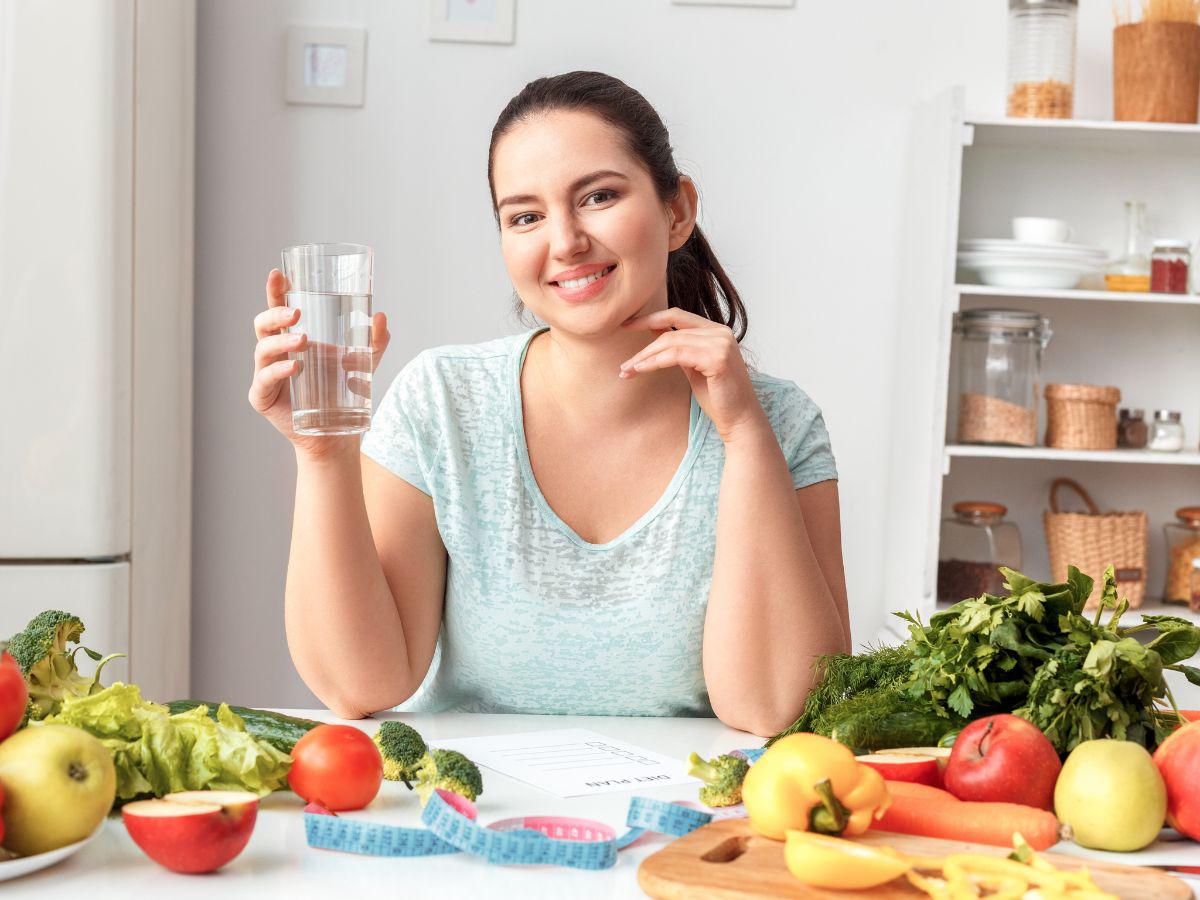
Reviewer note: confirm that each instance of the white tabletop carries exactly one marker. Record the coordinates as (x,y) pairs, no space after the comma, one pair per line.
(278,863)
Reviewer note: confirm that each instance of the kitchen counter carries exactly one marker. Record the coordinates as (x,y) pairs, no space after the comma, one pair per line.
(278,863)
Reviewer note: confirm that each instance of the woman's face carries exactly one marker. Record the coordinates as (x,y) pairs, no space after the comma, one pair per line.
(558,224)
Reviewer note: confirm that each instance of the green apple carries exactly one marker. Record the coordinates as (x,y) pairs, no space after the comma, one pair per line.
(59,784)
(1111,795)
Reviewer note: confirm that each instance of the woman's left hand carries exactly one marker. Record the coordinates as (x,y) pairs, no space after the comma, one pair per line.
(710,357)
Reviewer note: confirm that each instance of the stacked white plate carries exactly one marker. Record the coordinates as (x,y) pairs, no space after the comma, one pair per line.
(1004,262)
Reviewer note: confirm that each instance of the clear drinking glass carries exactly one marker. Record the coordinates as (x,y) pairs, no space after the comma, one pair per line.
(331,286)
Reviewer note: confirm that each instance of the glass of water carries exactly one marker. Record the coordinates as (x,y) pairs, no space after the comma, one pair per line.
(331,286)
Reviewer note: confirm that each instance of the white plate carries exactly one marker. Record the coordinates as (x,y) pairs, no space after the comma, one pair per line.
(1024,248)
(1026,273)
(15,868)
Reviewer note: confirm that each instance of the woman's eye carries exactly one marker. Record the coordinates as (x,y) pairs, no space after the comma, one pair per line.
(516,220)
(519,221)
(605,194)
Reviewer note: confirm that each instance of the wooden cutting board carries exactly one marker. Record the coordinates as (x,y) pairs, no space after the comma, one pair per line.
(728,860)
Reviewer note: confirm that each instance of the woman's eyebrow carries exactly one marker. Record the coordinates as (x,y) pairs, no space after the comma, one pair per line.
(577,185)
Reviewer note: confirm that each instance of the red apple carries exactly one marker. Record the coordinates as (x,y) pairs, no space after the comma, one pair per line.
(1178,760)
(192,831)
(941,754)
(901,767)
(1003,759)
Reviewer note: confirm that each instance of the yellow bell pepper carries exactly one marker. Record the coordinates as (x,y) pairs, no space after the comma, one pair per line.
(831,862)
(809,783)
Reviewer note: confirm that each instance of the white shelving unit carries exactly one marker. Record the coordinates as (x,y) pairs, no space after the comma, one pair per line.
(968,176)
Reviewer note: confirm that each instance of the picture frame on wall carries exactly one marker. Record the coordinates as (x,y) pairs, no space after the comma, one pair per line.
(734,2)
(478,21)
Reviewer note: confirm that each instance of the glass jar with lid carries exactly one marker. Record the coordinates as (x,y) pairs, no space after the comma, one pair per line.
(1132,430)
(1132,271)
(1169,264)
(1041,58)
(1183,557)
(999,374)
(1166,434)
(975,542)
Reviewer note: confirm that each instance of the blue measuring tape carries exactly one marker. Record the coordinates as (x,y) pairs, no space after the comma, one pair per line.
(554,840)
(576,844)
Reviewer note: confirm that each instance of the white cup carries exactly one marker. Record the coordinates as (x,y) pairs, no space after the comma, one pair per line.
(1034,230)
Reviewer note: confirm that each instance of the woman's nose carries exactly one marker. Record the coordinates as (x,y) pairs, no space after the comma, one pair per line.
(567,237)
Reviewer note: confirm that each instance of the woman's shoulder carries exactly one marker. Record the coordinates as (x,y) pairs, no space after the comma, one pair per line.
(782,396)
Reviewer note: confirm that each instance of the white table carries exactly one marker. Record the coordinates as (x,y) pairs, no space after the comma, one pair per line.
(278,863)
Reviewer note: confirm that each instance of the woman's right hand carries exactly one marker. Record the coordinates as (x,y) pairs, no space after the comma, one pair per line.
(270,394)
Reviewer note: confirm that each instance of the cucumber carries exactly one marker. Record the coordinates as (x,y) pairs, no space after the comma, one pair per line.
(276,729)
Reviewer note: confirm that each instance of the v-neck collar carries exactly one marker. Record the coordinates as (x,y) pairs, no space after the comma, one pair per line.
(697,430)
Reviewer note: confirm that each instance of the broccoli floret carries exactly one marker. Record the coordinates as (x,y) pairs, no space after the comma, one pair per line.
(402,749)
(450,771)
(48,666)
(722,777)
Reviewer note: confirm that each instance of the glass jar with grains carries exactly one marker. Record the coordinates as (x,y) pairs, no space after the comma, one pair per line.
(999,374)
(1132,431)
(1166,434)
(1041,58)
(1183,558)
(975,542)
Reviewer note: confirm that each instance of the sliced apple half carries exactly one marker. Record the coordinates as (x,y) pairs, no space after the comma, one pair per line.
(902,767)
(192,831)
(941,754)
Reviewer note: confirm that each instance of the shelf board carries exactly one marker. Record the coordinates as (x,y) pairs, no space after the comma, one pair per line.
(1085,134)
(983,290)
(1146,457)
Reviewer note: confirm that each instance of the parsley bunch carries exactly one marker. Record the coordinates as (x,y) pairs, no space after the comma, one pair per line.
(1031,652)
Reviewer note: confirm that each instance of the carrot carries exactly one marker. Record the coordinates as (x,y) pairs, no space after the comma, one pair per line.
(920,791)
(928,815)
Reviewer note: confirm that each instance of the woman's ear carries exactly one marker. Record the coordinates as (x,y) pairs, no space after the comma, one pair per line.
(683,213)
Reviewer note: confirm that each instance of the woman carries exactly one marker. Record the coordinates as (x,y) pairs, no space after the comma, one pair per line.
(609,514)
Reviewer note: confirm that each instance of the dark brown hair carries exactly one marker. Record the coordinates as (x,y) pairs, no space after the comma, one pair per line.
(695,280)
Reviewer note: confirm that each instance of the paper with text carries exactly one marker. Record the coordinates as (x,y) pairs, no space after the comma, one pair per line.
(572,762)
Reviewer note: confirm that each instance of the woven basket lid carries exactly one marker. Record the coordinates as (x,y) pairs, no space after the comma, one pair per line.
(1089,393)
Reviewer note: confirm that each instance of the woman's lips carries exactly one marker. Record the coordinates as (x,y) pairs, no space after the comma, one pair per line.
(587,292)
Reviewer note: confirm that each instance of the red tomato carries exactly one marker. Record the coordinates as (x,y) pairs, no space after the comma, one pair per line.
(337,766)
(14,695)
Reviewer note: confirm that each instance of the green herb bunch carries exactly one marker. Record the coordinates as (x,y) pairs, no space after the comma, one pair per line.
(1031,652)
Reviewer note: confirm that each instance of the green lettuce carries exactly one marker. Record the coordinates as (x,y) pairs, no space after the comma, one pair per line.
(157,753)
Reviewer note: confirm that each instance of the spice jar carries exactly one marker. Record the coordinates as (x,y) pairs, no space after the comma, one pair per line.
(975,542)
(1166,434)
(1169,265)
(1000,363)
(1132,431)
(1183,558)
(1041,58)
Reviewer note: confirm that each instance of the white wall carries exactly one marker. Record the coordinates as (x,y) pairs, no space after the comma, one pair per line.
(794,122)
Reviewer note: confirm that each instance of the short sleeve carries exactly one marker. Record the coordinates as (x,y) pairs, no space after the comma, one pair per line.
(400,437)
(800,428)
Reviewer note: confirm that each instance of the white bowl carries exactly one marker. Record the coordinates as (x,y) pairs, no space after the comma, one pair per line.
(24,865)
(1027,271)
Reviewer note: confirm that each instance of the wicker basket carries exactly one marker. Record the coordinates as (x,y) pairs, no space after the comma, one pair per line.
(1081,416)
(1093,541)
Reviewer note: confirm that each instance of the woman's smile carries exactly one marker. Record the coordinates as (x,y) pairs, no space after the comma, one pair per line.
(585,288)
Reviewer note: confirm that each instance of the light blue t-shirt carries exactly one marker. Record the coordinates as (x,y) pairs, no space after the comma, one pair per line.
(536,619)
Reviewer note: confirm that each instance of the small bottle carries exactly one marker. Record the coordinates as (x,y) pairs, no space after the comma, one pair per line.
(1166,435)
(1132,271)
(1132,431)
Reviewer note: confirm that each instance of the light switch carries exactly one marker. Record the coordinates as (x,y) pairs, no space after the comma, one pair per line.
(325,65)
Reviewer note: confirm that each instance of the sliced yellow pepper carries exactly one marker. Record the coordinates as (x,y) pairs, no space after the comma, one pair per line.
(832,862)
(808,782)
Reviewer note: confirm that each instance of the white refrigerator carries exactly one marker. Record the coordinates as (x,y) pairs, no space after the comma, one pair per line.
(90,117)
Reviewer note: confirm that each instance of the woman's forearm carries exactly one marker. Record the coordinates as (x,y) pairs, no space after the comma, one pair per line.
(770,610)
(343,628)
